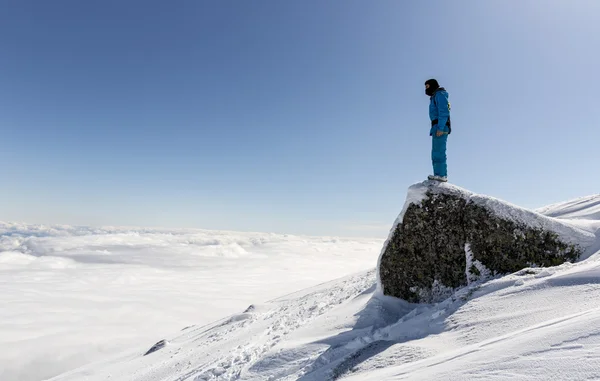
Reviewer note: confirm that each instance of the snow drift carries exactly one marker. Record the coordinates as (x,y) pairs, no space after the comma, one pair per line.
(447,237)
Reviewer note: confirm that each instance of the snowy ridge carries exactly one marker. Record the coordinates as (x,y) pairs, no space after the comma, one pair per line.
(242,344)
(536,324)
(341,330)
(587,208)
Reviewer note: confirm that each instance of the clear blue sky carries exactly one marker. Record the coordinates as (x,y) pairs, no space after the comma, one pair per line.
(289,116)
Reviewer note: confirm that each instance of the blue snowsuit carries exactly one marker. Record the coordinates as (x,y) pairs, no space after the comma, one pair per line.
(439,113)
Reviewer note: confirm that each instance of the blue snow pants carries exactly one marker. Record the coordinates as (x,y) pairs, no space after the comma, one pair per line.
(438,155)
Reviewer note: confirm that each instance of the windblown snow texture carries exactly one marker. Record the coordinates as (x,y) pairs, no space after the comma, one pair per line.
(426,257)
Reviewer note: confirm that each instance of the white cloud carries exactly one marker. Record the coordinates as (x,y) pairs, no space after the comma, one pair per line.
(77,294)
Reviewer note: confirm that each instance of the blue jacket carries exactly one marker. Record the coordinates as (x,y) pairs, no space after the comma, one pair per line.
(439,108)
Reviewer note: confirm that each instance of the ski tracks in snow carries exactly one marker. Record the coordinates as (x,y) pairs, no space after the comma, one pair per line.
(261,328)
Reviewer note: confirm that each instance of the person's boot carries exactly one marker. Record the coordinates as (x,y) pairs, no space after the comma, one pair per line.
(442,179)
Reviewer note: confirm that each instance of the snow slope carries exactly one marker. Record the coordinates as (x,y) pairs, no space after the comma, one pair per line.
(585,208)
(537,324)
(74,295)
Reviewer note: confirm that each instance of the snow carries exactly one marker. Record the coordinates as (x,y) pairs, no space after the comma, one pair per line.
(484,272)
(584,213)
(520,327)
(587,208)
(569,232)
(78,295)
(545,329)
(536,324)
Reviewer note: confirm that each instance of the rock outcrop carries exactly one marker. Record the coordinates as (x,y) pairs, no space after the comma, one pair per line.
(447,237)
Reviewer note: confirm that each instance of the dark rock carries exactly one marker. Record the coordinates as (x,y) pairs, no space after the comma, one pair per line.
(451,237)
(160,345)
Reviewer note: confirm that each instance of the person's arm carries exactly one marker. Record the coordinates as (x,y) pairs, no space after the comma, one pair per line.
(441,101)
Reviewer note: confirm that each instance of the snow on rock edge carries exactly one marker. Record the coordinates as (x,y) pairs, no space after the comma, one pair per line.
(442,227)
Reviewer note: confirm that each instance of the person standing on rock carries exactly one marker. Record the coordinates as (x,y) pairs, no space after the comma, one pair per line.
(439,113)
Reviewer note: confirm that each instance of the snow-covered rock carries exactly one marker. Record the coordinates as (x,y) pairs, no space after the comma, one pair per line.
(447,237)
